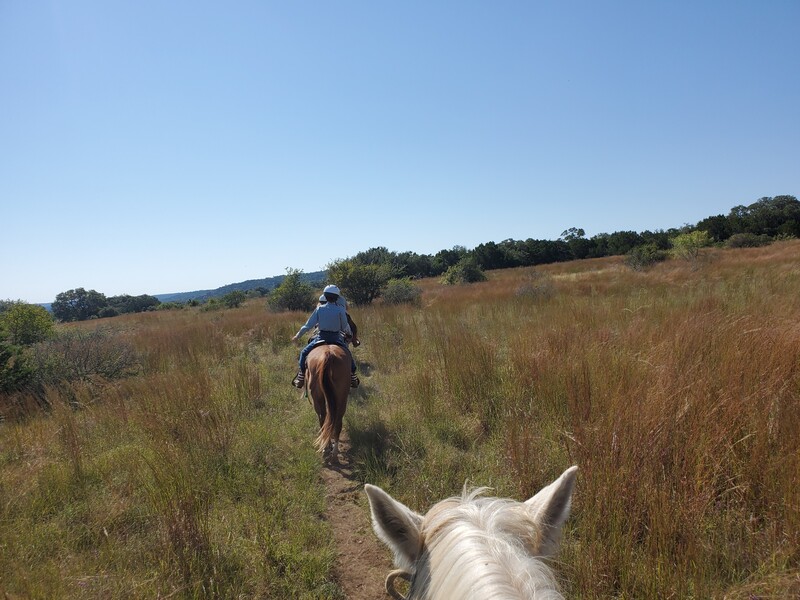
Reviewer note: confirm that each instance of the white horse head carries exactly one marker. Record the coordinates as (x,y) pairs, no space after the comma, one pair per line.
(475,547)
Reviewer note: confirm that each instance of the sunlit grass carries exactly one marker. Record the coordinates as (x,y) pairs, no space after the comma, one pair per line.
(676,390)
(191,479)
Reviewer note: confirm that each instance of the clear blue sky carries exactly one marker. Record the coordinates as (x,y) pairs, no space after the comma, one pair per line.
(151,147)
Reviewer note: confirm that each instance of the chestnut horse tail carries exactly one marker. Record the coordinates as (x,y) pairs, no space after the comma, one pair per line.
(328,377)
(326,430)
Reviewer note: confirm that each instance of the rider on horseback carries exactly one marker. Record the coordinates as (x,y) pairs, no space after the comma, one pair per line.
(331,319)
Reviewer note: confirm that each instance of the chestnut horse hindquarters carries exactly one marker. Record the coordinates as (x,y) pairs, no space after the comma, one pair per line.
(328,377)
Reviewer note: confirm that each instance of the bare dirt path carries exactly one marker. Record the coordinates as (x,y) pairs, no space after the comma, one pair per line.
(362,561)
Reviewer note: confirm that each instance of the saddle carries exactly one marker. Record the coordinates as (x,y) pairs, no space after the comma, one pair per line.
(321,342)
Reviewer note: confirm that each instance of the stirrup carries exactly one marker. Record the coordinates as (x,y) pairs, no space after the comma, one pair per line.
(354,381)
(299,380)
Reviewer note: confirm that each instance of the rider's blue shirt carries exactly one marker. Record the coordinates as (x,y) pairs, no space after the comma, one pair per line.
(328,317)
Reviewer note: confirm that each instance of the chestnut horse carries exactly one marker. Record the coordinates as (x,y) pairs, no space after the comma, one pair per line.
(328,381)
(472,547)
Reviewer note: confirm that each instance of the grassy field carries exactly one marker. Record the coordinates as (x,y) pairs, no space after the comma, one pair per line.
(675,390)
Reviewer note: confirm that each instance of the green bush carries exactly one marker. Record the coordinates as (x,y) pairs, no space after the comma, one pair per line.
(747,240)
(211,304)
(24,324)
(687,245)
(401,291)
(292,294)
(644,256)
(465,270)
(234,299)
(108,311)
(174,305)
(15,368)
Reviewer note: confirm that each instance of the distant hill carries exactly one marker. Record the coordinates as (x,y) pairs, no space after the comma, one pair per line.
(268,283)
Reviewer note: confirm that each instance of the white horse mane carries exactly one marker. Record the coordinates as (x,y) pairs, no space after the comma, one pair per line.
(475,547)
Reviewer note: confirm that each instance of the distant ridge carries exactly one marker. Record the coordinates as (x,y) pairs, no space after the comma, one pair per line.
(267,283)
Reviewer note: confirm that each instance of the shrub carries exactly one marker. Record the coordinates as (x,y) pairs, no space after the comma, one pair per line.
(24,324)
(687,245)
(108,311)
(537,286)
(234,299)
(211,304)
(401,291)
(82,356)
(747,240)
(644,256)
(174,305)
(15,368)
(292,294)
(465,270)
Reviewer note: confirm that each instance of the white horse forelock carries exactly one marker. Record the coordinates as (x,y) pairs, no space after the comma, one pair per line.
(473,547)
(481,548)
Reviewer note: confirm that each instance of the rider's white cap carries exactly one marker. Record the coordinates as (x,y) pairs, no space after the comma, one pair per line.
(331,289)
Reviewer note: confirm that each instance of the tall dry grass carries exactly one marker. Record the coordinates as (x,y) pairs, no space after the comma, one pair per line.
(676,391)
(190,479)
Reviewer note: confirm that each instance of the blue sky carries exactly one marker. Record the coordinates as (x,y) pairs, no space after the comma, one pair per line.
(155,147)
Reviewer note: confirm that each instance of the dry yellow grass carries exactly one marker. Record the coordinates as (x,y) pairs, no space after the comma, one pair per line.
(676,390)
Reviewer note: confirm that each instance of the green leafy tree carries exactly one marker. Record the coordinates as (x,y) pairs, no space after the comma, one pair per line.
(687,245)
(234,299)
(292,293)
(465,271)
(575,238)
(492,256)
(542,252)
(719,227)
(415,265)
(360,283)
(376,256)
(767,216)
(444,259)
(25,324)
(622,242)
(132,304)
(78,305)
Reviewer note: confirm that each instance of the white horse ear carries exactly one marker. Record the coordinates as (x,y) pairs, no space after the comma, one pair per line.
(396,525)
(550,508)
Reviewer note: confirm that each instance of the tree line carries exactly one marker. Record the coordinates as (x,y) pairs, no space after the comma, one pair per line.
(365,276)
(771,217)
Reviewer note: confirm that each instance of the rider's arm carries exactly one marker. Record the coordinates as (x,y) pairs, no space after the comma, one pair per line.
(312,321)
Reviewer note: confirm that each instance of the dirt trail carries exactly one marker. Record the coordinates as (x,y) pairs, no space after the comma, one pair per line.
(362,561)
